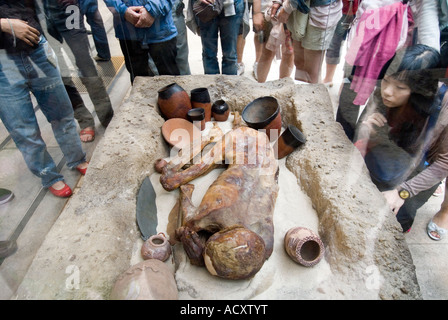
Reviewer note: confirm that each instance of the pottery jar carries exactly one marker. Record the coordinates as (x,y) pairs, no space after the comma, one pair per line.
(289,140)
(173,101)
(156,247)
(197,116)
(200,98)
(304,246)
(220,110)
(264,114)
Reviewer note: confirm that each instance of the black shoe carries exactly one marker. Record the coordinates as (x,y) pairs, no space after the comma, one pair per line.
(101,59)
(5,195)
(7,248)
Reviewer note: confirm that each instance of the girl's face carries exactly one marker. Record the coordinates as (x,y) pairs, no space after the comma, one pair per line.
(395,93)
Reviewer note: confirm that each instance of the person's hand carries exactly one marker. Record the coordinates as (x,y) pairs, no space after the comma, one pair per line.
(146,19)
(22,31)
(393,200)
(132,15)
(257,21)
(375,119)
(274,8)
(282,16)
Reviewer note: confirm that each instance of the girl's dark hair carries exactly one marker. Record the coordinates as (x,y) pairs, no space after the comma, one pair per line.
(418,68)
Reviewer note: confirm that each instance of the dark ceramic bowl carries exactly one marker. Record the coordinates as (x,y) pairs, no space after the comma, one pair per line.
(173,101)
(220,110)
(264,113)
(197,116)
(289,140)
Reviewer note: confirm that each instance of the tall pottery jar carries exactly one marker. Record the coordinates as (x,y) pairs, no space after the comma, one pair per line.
(304,246)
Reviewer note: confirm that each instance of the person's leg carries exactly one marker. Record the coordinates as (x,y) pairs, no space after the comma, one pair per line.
(136,59)
(209,39)
(441,217)
(78,43)
(313,64)
(94,19)
(164,57)
(182,40)
(299,62)
(228,29)
(18,116)
(264,64)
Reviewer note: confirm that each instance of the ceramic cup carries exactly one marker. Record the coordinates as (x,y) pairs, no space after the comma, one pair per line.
(197,116)
(289,140)
(200,98)
(173,101)
(220,110)
(264,113)
(304,246)
(156,247)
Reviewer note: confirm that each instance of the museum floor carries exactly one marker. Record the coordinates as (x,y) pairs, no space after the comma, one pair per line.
(31,214)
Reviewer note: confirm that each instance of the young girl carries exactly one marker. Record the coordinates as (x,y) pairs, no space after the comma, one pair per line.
(403,133)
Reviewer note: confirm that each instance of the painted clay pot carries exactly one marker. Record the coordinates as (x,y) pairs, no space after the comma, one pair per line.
(200,98)
(220,110)
(156,247)
(304,246)
(289,140)
(197,116)
(173,101)
(264,114)
(148,280)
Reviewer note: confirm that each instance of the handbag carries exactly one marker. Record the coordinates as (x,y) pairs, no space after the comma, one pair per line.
(297,23)
(207,12)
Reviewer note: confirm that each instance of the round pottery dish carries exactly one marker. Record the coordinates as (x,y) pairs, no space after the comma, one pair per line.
(264,113)
(220,110)
(179,132)
(290,139)
(173,101)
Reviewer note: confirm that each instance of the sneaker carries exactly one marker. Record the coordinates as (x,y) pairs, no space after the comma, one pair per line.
(7,248)
(240,68)
(5,195)
(440,189)
(255,71)
(101,59)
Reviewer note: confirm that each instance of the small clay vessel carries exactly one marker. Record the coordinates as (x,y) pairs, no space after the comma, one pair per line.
(264,114)
(173,101)
(289,140)
(200,98)
(197,116)
(156,247)
(220,110)
(147,280)
(304,246)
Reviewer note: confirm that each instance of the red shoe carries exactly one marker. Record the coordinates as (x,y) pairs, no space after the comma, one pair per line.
(63,193)
(82,171)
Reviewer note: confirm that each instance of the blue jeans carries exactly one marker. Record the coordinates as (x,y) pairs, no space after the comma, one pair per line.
(228,28)
(333,55)
(95,21)
(35,71)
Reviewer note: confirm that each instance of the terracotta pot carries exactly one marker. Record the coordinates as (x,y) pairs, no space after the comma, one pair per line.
(304,246)
(148,280)
(197,116)
(220,110)
(179,132)
(264,113)
(200,98)
(173,101)
(156,247)
(290,139)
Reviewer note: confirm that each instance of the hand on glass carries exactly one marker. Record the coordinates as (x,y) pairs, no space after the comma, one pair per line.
(22,30)
(393,200)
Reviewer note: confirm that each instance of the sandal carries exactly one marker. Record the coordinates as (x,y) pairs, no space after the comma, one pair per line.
(87,132)
(432,227)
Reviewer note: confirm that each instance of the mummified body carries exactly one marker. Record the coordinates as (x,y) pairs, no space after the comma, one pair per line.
(231,231)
